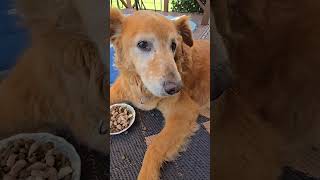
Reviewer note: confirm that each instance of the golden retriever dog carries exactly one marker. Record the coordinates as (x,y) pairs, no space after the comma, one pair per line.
(57,82)
(161,67)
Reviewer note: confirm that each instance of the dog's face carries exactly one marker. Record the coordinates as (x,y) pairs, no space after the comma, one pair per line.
(147,42)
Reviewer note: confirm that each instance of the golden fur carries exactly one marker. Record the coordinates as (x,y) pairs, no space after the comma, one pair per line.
(191,59)
(270,119)
(57,82)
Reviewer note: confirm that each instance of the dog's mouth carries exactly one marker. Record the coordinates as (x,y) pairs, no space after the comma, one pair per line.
(168,85)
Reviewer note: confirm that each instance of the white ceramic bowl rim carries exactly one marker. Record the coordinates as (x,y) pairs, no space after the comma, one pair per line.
(131,109)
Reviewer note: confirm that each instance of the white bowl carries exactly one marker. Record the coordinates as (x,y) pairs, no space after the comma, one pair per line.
(59,143)
(131,109)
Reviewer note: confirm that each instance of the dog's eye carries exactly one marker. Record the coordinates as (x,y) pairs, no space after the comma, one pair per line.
(144,45)
(173,46)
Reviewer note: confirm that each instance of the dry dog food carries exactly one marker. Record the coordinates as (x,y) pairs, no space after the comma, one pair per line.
(26,159)
(120,118)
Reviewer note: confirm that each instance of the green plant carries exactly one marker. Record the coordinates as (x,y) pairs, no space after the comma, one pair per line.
(186,6)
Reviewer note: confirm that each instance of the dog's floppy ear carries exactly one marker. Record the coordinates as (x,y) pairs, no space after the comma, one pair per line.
(116,19)
(184,29)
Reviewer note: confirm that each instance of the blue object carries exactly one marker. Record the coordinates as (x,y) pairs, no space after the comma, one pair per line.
(114,71)
(12,37)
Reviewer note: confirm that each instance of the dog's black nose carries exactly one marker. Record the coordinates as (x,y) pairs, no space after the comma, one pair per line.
(172,87)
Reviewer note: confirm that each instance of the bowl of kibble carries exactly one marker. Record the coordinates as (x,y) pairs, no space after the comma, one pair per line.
(122,118)
(38,156)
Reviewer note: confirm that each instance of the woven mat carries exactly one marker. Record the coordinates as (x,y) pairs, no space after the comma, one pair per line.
(127,151)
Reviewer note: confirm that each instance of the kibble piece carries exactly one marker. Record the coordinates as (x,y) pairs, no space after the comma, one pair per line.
(64,172)
(119,127)
(37,166)
(51,152)
(38,173)
(24,174)
(11,160)
(49,160)
(52,174)
(4,157)
(33,148)
(18,166)
(27,146)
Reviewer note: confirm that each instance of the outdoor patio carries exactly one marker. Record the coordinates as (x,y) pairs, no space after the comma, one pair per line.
(127,150)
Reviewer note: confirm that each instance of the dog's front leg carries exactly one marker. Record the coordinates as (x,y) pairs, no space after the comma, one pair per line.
(180,115)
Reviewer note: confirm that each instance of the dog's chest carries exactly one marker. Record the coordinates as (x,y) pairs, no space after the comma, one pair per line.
(146,103)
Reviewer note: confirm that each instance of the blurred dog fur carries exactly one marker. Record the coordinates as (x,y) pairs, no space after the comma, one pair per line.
(57,81)
(270,118)
(143,75)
